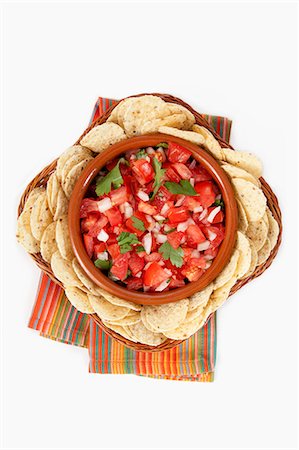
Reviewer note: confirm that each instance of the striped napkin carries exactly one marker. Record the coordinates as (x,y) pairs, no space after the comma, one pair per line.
(55,318)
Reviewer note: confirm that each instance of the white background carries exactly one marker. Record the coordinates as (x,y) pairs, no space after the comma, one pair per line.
(232,59)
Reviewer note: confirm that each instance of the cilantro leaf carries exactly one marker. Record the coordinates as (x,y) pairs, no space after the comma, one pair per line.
(113,177)
(141,153)
(126,240)
(175,255)
(159,173)
(104,265)
(138,224)
(218,202)
(162,144)
(140,248)
(184,187)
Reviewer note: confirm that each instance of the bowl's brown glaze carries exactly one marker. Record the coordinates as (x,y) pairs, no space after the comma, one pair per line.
(143,298)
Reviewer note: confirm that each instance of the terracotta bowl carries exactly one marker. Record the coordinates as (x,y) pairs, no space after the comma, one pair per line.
(144,298)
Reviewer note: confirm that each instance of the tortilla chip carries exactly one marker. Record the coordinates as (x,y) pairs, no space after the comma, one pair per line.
(264,253)
(85,280)
(167,316)
(105,310)
(252,198)
(141,334)
(119,301)
(273,229)
(201,297)
(220,295)
(210,143)
(120,330)
(229,270)
(185,329)
(132,318)
(243,221)
(48,244)
(41,216)
(257,232)
(244,160)
(244,261)
(68,154)
(103,136)
(237,172)
(189,117)
(253,263)
(63,271)
(73,175)
(62,204)
(63,239)
(190,136)
(79,299)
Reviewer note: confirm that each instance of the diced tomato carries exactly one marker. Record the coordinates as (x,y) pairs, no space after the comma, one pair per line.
(111,164)
(175,238)
(134,284)
(136,263)
(219,216)
(206,193)
(119,196)
(99,248)
(179,214)
(199,173)
(191,203)
(214,234)
(88,243)
(120,267)
(163,196)
(114,216)
(154,244)
(146,208)
(182,170)
(149,188)
(88,205)
(90,220)
(143,171)
(98,225)
(175,282)
(130,226)
(212,252)
(187,252)
(177,154)
(112,239)
(155,256)
(114,250)
(171,175)
(154,275)
(193,270)
(194,236)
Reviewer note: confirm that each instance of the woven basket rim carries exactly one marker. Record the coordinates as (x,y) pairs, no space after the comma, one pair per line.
(41,180)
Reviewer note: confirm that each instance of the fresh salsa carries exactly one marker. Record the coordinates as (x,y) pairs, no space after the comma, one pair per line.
(153,219)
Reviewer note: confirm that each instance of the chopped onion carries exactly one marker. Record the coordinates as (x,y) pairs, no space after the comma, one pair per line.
(213,214)
(103,236)
(192,182)
(168,272)
(143,196)
(190,221)
(147,158)
(195,254)
(161,262)
(157,228)
(203,246)
(193,164)
(218,197)
(180,200)
(161,238)
(138,275)
(162,286)
(182,226)
(203,214)
(146,288)
(128,210)
(208,257)
(183,240)
(149,218)
(151,222)
(158,217)
(197,209)
(103,256)
(212,235)
(164,210)
(104,205)
(150,150)
(147,243)
(208,264)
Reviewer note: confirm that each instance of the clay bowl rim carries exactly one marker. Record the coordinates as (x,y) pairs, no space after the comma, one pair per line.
(144,298)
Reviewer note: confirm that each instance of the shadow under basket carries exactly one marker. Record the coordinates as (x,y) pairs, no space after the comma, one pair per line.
(272,202)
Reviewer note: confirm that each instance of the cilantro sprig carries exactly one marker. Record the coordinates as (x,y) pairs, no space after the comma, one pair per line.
(219,202)
(104,265)
(174,255)
(114,178)
(159,173)
(137,223)
(162,144)
(141,154)
(126,240)
(184,187)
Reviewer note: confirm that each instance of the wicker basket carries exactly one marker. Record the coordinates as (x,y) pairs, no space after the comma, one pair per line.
(41,180)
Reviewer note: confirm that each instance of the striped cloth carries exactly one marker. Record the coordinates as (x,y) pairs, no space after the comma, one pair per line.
(55,318)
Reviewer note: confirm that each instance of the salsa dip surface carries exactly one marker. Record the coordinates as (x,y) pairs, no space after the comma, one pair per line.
(153,219)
